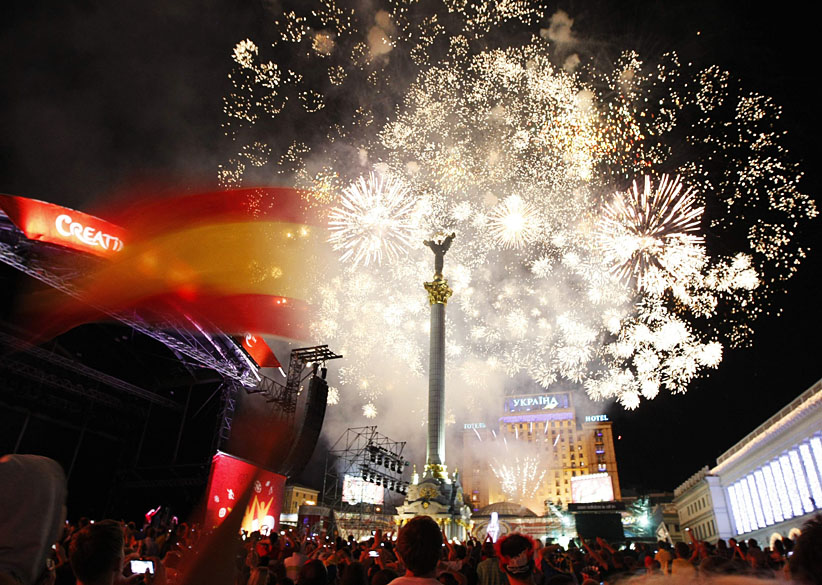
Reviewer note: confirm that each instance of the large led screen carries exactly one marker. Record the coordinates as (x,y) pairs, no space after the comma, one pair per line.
(596,487)
(356,490)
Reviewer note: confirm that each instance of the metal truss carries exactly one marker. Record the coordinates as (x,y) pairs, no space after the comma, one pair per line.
(228,396)
(217,352)
(364,453)
(285,395)
(85,371)
(39,375)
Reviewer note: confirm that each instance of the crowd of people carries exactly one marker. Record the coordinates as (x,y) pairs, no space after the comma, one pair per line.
(39,547)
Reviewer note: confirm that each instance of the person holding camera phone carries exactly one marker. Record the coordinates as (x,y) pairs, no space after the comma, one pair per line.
(96,557)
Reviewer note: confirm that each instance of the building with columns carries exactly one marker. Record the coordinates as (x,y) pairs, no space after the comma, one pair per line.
(767,485)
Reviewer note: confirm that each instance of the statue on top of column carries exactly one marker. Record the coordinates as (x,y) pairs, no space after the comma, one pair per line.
(439,248)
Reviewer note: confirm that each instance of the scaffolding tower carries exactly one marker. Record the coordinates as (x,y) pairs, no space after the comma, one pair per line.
(360,469)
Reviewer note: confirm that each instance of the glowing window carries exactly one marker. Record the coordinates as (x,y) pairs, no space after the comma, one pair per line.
(764,498)
(782,490)
(790,481)
(804,492)
(735,509)
(772,494)
(811,471)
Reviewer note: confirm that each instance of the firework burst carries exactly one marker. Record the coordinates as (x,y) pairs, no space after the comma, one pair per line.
(514,223)
(373,222)
(638,227)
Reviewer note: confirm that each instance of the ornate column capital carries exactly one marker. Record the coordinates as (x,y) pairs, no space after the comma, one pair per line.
(438,291)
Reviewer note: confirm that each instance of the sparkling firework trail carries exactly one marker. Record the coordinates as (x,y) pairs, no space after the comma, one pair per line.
(519,479)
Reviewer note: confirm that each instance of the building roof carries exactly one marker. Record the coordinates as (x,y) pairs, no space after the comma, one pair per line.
(801,406)
(505,509)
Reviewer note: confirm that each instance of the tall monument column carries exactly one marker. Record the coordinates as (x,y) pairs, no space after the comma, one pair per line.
(438,294)
(438,494)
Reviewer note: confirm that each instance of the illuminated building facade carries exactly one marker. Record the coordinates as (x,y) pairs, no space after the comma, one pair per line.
(296,495)
(546,428)
(767,485)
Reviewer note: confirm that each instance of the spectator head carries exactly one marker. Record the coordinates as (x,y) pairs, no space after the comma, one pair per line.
(313,573)
(806,561)
(488,550)
(32,511)
(682,550)
(419,544)
(516,556)
(96,553)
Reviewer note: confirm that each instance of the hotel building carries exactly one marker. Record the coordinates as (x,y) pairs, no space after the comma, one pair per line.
(544,426)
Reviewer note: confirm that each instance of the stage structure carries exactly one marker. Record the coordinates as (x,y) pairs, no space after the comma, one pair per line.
(360,469)
(30,243)
(438,494)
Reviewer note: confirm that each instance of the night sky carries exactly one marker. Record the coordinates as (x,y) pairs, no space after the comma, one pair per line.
(97,96)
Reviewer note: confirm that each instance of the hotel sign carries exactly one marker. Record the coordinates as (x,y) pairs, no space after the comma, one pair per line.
(469,426)
(597,418)
(536,402)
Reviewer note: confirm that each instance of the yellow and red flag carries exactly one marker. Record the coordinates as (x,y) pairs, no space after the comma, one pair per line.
(238,260)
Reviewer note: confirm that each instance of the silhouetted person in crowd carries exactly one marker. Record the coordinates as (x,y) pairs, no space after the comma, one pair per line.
(806,561)
(681,566)
(96,554)
(32,512)
(354,574)
(488,570)
(516,558)
(419,545)
(313,573)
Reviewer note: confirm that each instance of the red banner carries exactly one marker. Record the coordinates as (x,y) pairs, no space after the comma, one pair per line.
(229,477)
(51,223)
(259,351)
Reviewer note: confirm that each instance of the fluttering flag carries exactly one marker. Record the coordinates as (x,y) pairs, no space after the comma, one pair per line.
(256,347)
(236,260)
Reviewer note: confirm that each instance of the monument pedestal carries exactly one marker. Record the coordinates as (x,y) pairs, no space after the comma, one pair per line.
(439,496)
